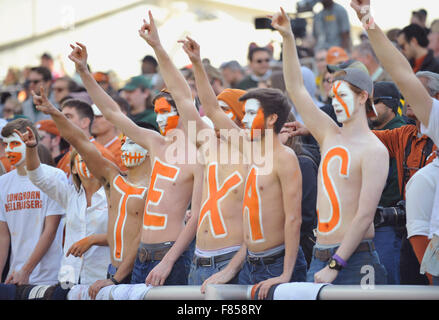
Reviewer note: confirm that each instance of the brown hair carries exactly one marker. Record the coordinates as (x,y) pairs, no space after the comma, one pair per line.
(21,125)
(75,176)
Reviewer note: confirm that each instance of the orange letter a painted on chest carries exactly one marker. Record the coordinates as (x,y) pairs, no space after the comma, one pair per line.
(215,195)
(127,191)
(252,206)
(154,220)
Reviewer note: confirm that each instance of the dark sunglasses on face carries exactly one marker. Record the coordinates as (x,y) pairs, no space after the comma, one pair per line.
(263,60)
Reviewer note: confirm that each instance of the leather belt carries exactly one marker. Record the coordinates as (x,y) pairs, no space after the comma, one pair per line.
(326,254)
(265,260)
(151,255)
(211,261)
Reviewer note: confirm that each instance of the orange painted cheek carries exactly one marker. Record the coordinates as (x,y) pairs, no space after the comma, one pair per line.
(172,123)
(14,157)
(340,100)
(258,124)
(335,218)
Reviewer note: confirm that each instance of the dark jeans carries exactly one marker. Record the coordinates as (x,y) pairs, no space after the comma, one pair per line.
(176,277)
(307,242)
(198,274)
(409,265)
(7,291)
(388,245)
(111,271)
(359,267)
(253,273)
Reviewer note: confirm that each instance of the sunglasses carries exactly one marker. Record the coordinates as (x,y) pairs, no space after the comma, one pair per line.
(262,60)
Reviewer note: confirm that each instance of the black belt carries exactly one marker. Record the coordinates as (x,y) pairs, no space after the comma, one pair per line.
(151,255)
(265,260)
(211,261)
(326,254)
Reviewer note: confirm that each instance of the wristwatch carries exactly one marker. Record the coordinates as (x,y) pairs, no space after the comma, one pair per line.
(334,264)
(114,280)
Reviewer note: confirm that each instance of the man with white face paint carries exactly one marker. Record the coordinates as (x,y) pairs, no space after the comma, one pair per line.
(172,186)
(271,212)
(125,198)
(352,172)
(29,219)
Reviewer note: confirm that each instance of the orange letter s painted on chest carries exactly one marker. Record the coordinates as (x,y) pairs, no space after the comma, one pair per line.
(215,195)
(252,206)
(154,220)
(127,191)
(335,218)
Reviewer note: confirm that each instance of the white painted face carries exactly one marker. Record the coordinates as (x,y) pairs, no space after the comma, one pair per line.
(15,149)
(132,154)
(343,101)
(162,119)
(81,168)
(251,108)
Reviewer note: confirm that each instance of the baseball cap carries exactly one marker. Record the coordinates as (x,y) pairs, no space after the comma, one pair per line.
(332,68)
(387,93)
(336,55)
(96,110)
(361,80)
(47,125)
(137,82)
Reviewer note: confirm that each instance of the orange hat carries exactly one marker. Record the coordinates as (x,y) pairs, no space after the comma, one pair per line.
(231,97)
(101,77)
(48,126)
(336,55)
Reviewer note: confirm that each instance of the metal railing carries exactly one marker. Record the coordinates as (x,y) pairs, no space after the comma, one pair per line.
(329,292)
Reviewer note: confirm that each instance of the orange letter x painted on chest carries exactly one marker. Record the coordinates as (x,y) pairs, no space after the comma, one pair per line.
(214,198)
(127,191)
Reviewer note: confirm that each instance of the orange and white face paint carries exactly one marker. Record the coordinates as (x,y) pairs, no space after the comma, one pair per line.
(254,118)
(81,167)
(15,149)
(132,154)
(227,110)
(167,116)
(343,101)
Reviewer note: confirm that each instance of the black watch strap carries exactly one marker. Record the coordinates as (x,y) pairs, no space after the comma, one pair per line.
(114,280)
(334,264)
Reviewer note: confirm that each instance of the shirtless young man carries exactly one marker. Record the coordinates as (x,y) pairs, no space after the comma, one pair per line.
(271,210)
(352,172)
(171,184)
(126,195)
(219,228)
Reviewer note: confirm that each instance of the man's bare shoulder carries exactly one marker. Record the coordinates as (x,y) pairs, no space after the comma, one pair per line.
(285,158)
(375,149)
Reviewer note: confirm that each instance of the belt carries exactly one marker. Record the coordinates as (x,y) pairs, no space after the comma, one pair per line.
(326,254)
(211,261)
(151,255)
(265,260)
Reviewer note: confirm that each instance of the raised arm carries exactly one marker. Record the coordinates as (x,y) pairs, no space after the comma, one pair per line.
(100,167)
(109,108)
(174,80)
(318,122)
(205,91)
(395,64)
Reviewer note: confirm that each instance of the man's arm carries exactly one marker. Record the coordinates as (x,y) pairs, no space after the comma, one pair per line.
(319,123)
(109,108)
(98,165)
(205,91)
(396,65)
(374,170)
(174,80)
(290,177)
(5,240)
(49,232)
(80,247)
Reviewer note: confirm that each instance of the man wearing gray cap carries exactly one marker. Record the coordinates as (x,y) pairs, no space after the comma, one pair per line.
(352,173)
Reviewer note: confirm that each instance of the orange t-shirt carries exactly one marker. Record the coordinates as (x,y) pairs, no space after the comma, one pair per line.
(64,163)
(396,141)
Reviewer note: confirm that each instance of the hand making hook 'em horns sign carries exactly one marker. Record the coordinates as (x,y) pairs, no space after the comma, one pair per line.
(192,49)
(42,103)
(149,32)
(281,22)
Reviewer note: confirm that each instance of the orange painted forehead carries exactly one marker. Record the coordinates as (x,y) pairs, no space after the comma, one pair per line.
(162,105)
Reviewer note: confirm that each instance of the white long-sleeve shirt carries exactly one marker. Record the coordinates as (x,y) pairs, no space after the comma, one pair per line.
(80,223)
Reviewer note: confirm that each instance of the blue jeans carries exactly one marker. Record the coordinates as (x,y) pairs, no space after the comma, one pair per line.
(373,271)
(7,291)
(388,246)
(254,273)
(176,277)
(435,281)
(198,274)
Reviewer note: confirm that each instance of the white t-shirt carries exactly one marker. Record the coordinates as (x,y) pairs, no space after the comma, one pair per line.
(24,208)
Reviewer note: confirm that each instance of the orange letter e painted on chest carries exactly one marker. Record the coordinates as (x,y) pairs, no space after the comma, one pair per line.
(127,191)
(252,206)
(342,154)
(214,197)
(154,220)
